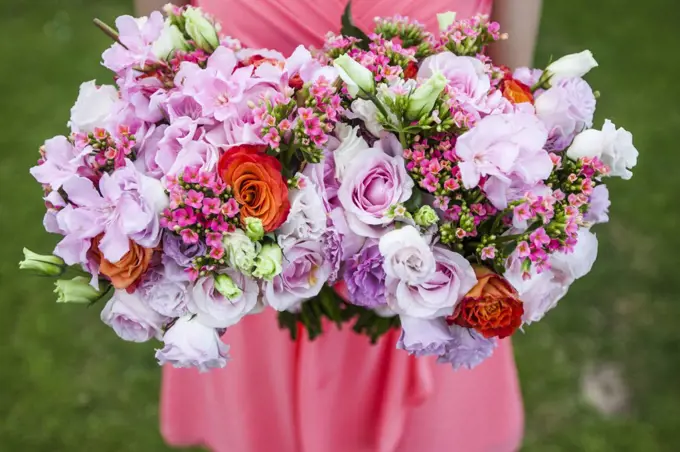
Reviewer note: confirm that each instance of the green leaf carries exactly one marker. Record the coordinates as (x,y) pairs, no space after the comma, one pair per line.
(349,29)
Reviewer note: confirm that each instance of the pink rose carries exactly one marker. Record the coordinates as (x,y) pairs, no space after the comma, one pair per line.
(374,182)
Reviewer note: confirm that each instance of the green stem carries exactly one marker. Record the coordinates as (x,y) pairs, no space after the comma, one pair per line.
(108,31)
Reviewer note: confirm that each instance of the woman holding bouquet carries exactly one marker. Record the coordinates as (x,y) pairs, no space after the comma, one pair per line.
(339,392)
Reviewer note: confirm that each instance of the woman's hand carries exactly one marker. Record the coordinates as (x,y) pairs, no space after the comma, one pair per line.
(146,7)
(520,19)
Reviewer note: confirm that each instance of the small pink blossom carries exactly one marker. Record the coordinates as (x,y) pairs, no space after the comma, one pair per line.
(272,138)
(430,183)
(230,208)
(523,249)
(211,206)
(451,184)
(188,236)
(217,253)
(488,252)
(184,216)
(194,199)
(539,238)
(206,179)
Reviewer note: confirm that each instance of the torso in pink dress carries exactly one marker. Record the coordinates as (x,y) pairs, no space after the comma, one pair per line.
(337,393)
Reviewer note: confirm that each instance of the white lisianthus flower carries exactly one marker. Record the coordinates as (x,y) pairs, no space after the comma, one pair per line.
(268,262)
(351,145)
(445,20)
(423,98)
(171,39)
(573,65)
(93,108)
(189,343)
(611,145)
(240,251)
(568,267)
(368,113)
(359,80)
(408,257)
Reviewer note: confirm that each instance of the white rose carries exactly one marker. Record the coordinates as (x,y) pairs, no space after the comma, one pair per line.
(93,108)
(408,257)
(351,145)
(216,310)
(171,39)
(307,216)
(358,79)
(188,343)
(368,113)
(572,266)
(611,145)
(131,318)
(574,65)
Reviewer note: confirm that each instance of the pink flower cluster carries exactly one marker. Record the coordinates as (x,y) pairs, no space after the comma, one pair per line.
(201,209)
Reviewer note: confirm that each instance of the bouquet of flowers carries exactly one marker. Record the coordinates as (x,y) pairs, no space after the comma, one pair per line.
(188,189)
(391,180)
(473,187)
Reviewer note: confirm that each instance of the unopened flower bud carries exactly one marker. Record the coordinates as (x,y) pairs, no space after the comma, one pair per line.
(426,216)
(227,287)
(76,290)
(44,265)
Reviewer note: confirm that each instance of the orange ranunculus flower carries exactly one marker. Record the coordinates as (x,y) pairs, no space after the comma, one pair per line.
(492,306)
(128,269)
(257,184)
(516,91)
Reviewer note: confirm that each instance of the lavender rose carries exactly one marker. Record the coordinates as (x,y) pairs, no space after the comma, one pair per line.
(467,349)
(455,345)
(438,294)
(365,276)
(424,337)
(304,273)
(163,292)
(181,253)
(131,318)
(374,182)
(566,109)
(218,308)
(408,257)
(189,343)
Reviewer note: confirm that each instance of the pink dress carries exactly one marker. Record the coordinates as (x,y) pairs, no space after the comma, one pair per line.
(338,393)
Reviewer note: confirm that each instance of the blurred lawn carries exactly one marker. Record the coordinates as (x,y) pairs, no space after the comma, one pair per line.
(600,374)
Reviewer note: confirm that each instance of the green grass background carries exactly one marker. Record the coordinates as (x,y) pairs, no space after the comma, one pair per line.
(68,384)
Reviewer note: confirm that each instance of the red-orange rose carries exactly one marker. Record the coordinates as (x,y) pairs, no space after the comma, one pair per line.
(492,306)
(125,273)
(411,70)
(257,184)
(516,91)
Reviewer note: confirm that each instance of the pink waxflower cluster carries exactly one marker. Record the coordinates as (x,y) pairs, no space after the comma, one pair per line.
(201,209)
